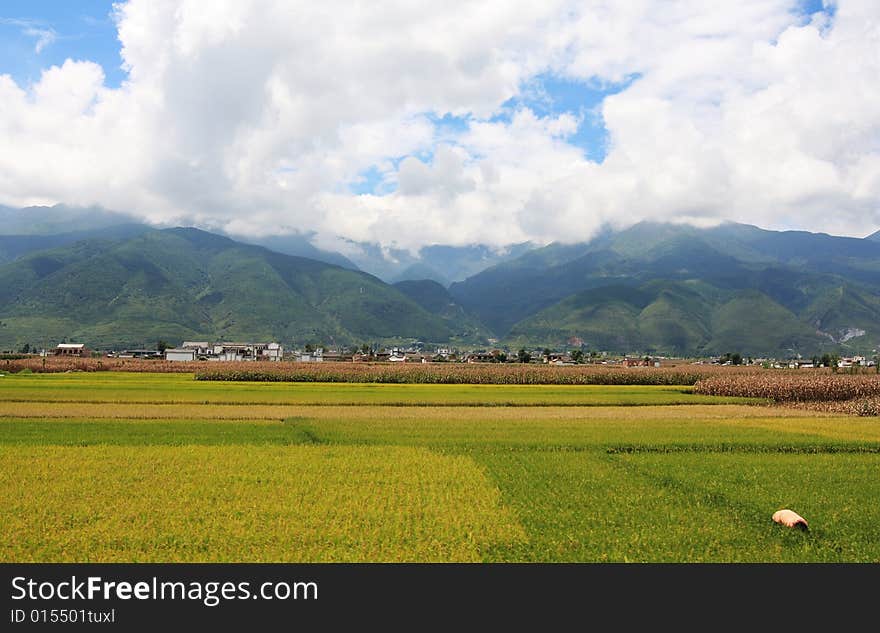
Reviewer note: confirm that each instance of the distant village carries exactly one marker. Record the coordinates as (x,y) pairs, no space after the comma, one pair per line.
(191,351)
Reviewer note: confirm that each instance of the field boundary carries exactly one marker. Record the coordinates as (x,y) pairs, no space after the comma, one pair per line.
(476,405)
(783,449)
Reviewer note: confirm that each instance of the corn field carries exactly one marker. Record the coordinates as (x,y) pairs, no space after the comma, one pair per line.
(793,388)
(393,373)
(451,374)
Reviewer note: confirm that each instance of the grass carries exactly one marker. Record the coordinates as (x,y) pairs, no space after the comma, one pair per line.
(236,475)
(688,507)
(837,492)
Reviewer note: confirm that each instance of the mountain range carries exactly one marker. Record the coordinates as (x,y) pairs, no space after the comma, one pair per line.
(673,289)
(677,289)
(63,224)
(183,283)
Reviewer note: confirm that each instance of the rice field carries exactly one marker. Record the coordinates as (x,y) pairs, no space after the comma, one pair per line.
(111,466)
(102,388)
(273,504)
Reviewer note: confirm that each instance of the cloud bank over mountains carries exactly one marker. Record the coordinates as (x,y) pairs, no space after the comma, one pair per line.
(409,124)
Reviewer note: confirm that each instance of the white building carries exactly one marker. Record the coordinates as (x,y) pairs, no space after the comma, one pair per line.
(180,354)
(70,349)
(273,352)
(226,351)
(199,347)
(312,357)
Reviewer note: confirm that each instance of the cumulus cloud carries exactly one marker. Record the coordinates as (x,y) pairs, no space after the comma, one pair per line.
(264,116)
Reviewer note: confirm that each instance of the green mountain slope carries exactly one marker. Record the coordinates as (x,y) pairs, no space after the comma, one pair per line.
(816,291)
(675,318)
(729,255)
(658,288)
(298,245)
(752,323)
(678,318)
(434,298)
(605,318)
(14,246)
(185,283)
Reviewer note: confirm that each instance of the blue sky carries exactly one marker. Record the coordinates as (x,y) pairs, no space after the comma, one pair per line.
(549,95)
(78,30)
(809,7)
(545,95)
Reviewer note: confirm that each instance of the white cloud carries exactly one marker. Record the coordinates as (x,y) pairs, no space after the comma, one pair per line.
(43,35)
(259,117)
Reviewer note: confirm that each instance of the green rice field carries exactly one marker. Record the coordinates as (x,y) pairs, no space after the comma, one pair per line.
(160,467)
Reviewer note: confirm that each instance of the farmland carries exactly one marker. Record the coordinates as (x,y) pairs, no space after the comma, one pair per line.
(181,388)
(117,466)
(852,394)
(388,373)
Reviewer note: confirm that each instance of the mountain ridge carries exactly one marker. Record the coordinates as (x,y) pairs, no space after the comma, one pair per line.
(823,288)
(186,283)
(651,287)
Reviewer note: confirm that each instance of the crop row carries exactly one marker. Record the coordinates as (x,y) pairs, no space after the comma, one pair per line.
(792,388)
(54,365)
(488,374)
(865,407)
(421,373)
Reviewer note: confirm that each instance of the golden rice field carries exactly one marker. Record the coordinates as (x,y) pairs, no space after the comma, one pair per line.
(220,503)
(112,466)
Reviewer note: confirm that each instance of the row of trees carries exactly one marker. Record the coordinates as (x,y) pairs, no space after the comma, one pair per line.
(734,359)
(826,360)
(577,356)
